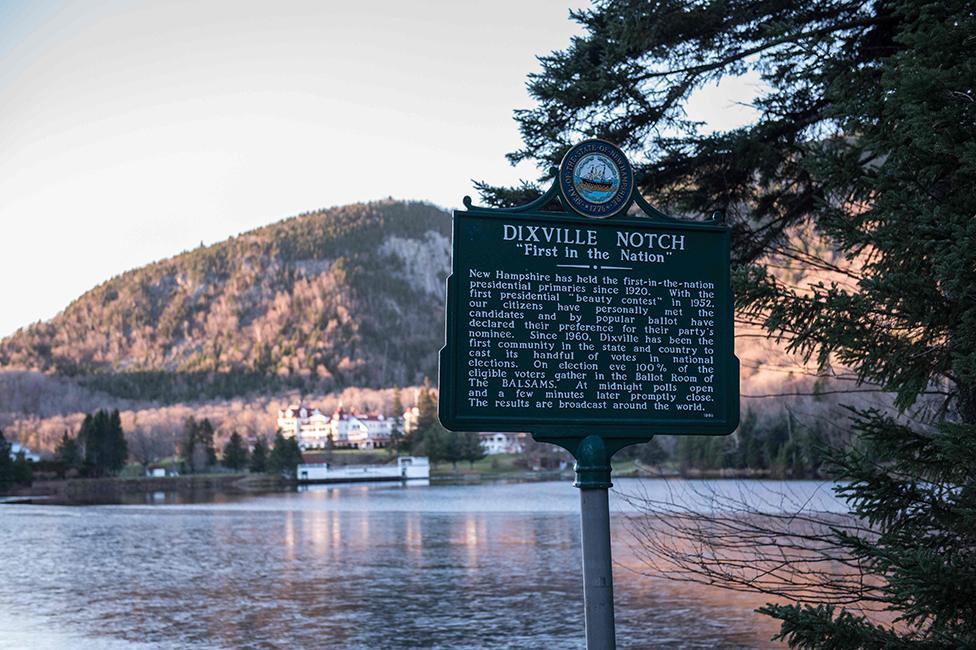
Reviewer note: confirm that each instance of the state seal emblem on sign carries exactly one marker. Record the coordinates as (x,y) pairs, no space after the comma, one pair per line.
(595,179)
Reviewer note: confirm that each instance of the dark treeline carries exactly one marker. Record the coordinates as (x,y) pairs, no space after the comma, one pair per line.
(99,448)
(198,453)
(784,447)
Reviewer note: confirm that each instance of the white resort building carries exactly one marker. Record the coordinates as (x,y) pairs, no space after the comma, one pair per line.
(308,425)
(16,448)
(410,419)
(496,442)
(361,431)
(313,429)
(493,442)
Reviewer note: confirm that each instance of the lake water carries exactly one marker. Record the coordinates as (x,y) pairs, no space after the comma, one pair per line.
(358,566)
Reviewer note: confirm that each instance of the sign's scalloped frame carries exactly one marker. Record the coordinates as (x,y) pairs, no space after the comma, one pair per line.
(569,430)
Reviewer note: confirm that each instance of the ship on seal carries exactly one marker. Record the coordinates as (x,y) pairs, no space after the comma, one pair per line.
(593,184)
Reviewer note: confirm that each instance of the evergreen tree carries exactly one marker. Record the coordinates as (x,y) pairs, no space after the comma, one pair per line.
(205,436)
(437,444)
(6,463)
(68,453)
(294,456)
(813,447)
(103,441)
(775,440)
(691,451)
(259,456)
(396,430)
(863,145)
(453,446)
(22,471)
(285,456)
(426,407)
(16,470)
(715,451)
(197,448)
(651,453)
(116,448)
(188,441)
(235,453)
(426,424)
(92,433)
(84,437)
(471,449)
(396,404)
(276,457)
(749,448)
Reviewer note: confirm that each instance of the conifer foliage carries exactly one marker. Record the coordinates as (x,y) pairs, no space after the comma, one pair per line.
(14,470)
(285,456)
(861,167)
(68,453)
(259,457)
(103,441)
(197,449)
(235,452)
(433,440)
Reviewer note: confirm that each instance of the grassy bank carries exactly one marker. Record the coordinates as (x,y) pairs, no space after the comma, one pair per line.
(496,467)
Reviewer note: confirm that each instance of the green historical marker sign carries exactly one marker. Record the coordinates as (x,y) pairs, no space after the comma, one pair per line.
(593,327)
(592,320)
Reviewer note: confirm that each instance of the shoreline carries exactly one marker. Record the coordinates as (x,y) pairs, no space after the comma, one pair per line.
(108,489)
(114,489)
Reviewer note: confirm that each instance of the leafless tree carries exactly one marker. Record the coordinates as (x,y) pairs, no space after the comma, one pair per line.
(150,444)
(755,538)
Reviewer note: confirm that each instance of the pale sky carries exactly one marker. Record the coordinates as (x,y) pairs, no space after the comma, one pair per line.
(133,130)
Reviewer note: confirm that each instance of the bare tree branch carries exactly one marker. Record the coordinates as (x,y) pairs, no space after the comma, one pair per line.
(766,542)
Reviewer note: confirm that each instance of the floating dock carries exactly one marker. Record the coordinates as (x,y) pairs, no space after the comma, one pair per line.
(406,468)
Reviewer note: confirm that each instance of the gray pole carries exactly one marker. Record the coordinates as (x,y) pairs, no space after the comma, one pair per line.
(597,575)
(593,481)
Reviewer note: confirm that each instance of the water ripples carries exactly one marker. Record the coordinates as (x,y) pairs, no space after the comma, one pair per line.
(474,566)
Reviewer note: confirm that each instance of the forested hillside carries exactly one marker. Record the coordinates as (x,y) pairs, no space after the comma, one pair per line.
(350,296)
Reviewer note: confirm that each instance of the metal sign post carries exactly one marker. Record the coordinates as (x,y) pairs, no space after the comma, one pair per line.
(593,481)
(597,569)
(593,321)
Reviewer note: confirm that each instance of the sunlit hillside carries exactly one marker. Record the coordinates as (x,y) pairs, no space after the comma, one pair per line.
(349,296)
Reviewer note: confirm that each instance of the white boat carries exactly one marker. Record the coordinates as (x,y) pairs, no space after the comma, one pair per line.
(406,468)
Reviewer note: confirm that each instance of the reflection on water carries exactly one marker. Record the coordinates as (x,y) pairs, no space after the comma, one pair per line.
(362,566)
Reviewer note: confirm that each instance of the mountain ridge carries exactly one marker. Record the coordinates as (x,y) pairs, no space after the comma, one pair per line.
(346,296)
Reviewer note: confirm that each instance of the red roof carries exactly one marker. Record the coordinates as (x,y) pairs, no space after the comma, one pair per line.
(294,411)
